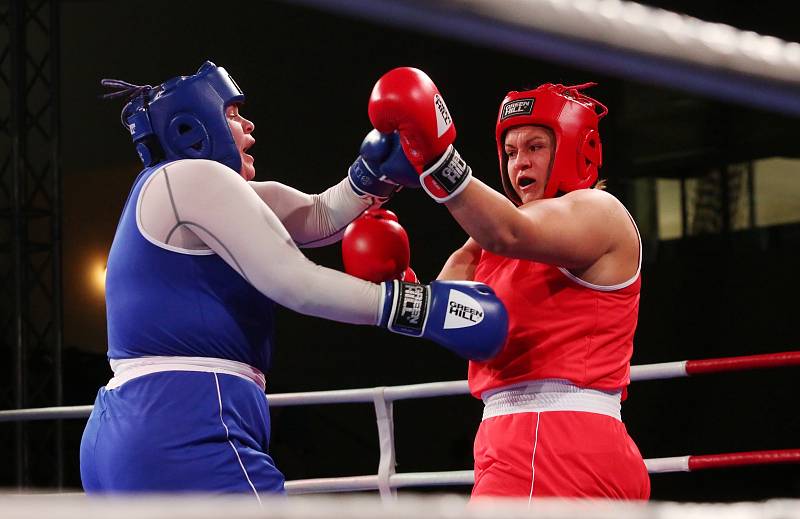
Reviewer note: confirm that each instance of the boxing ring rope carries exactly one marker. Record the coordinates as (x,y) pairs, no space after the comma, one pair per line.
(717,461)
(615,37)
(382,398)
(686,368)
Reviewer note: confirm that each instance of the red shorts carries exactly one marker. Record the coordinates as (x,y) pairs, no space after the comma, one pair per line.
(558,454)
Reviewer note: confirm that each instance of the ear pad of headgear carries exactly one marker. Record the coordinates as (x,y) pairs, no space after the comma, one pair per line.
(186,136)
(590,157)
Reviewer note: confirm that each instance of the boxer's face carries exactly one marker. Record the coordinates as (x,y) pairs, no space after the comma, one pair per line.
(530,151)
(241,130)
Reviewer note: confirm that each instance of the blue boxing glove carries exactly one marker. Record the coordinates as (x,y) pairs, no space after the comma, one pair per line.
(382,167)
(463,316)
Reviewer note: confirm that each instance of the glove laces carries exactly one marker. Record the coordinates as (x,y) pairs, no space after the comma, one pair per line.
(123,89)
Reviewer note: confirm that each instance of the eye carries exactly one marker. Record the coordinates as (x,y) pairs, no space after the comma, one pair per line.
(511,153)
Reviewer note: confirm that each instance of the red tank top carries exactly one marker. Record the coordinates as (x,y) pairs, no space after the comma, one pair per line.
(559,327)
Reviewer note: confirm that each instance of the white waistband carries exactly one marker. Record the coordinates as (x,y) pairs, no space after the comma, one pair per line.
(550,395)
(129,369)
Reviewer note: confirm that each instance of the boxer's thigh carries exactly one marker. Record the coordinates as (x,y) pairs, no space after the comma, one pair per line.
(588,455)
(503,451)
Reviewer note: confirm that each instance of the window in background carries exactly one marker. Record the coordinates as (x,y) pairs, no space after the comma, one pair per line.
(668,201)
(734,197)
(777,191)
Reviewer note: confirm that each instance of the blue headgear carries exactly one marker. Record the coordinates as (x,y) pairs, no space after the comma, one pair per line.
(182,118)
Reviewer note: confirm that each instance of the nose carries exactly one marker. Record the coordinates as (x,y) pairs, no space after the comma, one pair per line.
(247,125)
(523,160)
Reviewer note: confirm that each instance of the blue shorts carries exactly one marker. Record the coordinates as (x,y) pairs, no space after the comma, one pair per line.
(180,431)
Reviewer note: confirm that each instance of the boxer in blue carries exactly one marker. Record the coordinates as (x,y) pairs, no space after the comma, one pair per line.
(201,255)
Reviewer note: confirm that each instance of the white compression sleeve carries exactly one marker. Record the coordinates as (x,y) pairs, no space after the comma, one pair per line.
(191,205)
(314,220)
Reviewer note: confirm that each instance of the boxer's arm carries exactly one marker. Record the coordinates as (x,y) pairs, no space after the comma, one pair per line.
(461,264)
(199,201)
(317,220)
(193,202)
(572,231)
(313,220)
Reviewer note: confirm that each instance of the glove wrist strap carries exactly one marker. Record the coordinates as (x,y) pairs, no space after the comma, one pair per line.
(405,307)
(367,184)
(447,177)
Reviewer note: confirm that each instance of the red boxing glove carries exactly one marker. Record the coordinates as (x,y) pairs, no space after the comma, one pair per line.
(407,101)
(409,276)
(375,247)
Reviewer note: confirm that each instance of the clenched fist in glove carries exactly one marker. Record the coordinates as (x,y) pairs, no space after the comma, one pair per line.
(405,100)
(375,247)
(381,167)
(463,316)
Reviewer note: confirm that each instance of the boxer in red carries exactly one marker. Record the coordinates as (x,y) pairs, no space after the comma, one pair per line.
(565,258)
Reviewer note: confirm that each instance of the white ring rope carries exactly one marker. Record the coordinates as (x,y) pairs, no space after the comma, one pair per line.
(382,397)
(663,370)
(640,28)
(610,37)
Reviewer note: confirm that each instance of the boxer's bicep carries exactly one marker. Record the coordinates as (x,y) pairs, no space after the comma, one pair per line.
(226,214)
(285,201)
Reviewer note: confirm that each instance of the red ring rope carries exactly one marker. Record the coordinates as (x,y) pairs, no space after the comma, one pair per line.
(737,459)
(767,360)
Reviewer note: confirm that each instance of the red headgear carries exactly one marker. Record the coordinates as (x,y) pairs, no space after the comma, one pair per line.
(573,117)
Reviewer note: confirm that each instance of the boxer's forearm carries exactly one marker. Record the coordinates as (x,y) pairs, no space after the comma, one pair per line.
(313,220)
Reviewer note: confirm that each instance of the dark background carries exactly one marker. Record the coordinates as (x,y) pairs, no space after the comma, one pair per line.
(307,75)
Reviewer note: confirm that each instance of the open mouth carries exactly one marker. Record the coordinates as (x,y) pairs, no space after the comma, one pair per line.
(525,182)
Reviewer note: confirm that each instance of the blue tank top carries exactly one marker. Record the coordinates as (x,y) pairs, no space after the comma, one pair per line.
(165,303)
